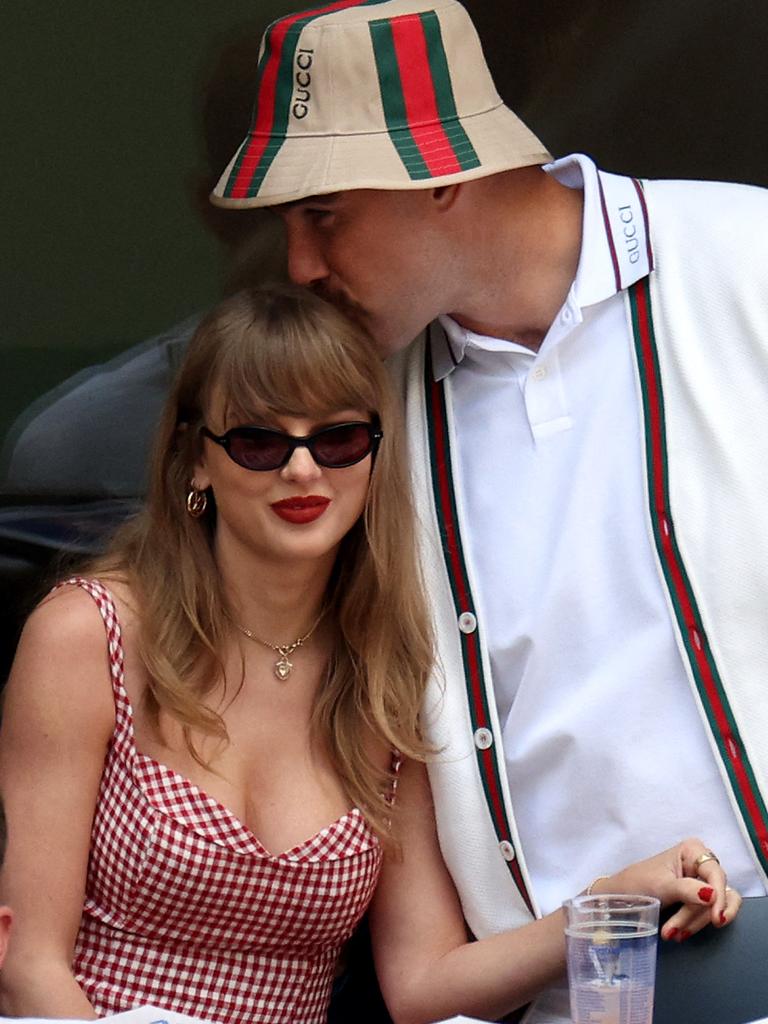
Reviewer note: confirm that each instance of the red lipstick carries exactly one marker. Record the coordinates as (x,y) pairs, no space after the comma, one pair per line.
(305,508)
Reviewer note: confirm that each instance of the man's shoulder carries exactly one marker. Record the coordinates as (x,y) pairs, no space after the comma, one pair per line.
(709,206)
(694,189)
(153,359)
(703,228)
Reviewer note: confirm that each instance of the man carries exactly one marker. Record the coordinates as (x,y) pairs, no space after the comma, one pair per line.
(584,408)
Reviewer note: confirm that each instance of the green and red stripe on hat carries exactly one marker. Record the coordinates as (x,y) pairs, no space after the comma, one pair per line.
(274,91)
(417,95)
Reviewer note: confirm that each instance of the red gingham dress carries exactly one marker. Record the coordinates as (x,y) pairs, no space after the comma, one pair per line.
(184,907)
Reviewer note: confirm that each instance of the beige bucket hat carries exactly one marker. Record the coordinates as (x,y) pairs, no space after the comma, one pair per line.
(384,94)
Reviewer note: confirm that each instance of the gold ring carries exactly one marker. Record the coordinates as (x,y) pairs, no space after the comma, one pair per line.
(703,858)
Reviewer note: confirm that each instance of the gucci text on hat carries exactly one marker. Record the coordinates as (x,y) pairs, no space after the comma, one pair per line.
(387,94)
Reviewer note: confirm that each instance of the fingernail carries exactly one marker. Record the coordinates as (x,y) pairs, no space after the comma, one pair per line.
(684,934)
(705,893)
(672,933)
(722,917)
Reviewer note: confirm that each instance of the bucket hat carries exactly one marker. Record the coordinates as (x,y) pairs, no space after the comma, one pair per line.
(379,94)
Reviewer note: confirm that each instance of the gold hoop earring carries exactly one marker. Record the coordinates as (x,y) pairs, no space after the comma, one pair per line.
(197,502)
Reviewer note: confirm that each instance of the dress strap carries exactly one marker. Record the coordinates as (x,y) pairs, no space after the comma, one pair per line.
(105,603)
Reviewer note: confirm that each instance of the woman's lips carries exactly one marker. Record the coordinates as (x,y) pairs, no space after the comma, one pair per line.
(301,510)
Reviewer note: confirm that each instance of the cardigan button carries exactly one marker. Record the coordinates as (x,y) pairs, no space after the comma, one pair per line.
(507,849)
(483,738)
(467,622)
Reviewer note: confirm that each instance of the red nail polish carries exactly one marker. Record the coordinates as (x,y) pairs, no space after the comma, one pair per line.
(672,933)
(705,893)
(722,917)
(684,934)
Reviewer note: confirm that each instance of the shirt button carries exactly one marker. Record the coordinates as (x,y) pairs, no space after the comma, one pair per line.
(467,622)
(483,738)
(507,850)
(540,373)
(566,316)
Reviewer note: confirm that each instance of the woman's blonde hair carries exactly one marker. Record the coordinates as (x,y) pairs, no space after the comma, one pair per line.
(271,351)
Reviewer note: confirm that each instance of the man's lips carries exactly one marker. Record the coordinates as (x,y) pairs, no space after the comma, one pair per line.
(301,509)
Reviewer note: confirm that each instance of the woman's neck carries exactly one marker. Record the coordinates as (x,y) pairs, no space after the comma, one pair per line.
(277,601)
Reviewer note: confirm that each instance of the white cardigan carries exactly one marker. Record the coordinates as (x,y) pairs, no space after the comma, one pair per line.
(700,323)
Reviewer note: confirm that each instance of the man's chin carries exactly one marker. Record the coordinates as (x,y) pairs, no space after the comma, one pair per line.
(352,310)
(342,302)
(385,339)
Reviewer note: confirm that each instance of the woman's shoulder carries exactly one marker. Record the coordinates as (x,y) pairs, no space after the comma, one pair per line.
(62,669)
(59,700)
(78,610)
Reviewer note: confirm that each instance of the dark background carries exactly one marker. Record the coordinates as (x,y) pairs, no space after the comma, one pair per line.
(117,118)
(103,151)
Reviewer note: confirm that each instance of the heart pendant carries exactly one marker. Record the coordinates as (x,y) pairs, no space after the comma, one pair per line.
(283,668)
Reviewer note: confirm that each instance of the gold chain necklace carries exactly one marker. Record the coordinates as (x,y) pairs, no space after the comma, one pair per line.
(283,667)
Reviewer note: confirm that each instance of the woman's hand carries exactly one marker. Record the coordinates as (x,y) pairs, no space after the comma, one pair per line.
(688,874)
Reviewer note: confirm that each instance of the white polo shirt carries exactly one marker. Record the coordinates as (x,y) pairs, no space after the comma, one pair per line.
(607,757)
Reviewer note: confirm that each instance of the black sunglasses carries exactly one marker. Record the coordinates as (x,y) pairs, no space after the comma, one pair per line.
(334,447)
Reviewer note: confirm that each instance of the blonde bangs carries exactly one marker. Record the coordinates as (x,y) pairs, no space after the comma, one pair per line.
(269,360)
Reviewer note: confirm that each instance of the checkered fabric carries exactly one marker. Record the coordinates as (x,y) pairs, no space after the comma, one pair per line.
(185,909)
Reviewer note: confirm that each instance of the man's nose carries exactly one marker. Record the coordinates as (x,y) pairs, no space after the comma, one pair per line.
(306,264)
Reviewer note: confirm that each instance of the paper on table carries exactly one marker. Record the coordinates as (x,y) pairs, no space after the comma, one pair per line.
(141,1015)
(476,1020)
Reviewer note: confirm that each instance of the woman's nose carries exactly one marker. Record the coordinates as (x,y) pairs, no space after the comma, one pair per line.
(301,466)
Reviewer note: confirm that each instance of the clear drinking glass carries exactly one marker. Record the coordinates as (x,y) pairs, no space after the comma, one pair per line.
(611,949)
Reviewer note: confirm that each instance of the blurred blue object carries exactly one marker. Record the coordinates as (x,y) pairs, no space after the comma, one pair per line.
(39,541)
(718,976)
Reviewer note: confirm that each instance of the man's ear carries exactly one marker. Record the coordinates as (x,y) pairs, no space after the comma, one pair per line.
(6,920)
(445,196)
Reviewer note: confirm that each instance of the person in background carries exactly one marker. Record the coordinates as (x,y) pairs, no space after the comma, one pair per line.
(585,402)
(69,445)
(203,731)
(68,474)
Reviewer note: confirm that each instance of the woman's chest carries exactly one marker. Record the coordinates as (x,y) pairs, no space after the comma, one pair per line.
(171,861)
(268,772)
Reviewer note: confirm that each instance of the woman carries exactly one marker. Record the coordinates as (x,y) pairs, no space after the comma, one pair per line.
(268,647)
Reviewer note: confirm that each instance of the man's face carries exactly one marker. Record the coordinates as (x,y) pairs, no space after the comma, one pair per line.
(375,254)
